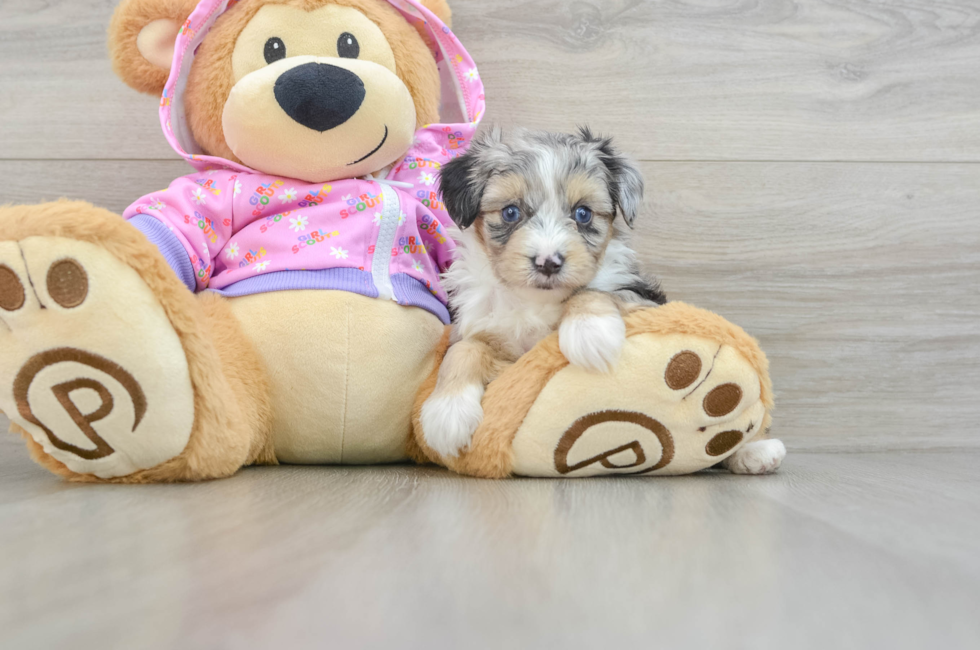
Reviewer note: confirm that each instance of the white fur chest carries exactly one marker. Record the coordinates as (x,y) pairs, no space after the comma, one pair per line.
(518,317)
(519,323)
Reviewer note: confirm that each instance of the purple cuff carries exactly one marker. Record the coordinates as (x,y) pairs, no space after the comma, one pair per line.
(340,279)
(408,290)
(170,247)
(413,293)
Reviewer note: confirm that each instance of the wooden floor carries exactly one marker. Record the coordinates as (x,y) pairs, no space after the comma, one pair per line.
(864,550)
(813,173)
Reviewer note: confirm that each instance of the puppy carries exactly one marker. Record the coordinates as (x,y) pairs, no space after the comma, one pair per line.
(540,247)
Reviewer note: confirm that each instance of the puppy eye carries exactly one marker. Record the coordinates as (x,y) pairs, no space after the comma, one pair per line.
(275,50)
(347,46)
(583,216)
(511,214)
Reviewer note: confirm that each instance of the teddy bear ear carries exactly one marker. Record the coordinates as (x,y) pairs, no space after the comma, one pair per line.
(441,9)
(141,40)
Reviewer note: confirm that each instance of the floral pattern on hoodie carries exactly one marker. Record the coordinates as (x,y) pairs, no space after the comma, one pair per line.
(234,230)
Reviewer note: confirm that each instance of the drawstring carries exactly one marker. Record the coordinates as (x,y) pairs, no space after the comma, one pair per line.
(385,181)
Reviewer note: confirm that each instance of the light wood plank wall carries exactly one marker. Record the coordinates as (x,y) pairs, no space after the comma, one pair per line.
(813,171)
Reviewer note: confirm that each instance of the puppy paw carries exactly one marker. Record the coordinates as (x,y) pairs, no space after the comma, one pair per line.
(592,342)
(759,457)
(450,419)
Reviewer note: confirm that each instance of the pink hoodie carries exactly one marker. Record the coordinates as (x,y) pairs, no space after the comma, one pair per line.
(230,229)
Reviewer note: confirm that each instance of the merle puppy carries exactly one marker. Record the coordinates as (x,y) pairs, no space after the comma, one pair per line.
(541,246)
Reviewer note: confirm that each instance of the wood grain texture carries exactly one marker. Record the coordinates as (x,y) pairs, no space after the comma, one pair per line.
(60,97)
(836,551)
(679,80)
(860,280)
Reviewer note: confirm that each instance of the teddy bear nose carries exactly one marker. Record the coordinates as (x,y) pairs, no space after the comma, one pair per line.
(319,96)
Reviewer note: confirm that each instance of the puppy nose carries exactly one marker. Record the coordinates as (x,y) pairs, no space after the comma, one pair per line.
(319,96)
(549,265)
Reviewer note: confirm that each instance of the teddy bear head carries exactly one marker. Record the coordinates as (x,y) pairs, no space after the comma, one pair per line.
(316,90)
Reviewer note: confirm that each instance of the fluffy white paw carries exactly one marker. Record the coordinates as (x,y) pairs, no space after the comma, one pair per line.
(449,420)
(759,457)
(592,342)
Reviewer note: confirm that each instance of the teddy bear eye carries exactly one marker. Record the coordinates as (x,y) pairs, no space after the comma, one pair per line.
(347,46)
(275,50)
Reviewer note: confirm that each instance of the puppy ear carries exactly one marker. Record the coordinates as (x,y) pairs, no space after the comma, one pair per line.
(625,180)
(463,180)
(461,190)
(142,35)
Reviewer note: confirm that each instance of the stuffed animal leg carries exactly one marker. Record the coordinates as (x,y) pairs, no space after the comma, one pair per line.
(109,367)
(691,390)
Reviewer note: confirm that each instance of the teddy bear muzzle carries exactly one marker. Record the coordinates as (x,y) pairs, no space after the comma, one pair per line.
(319,119)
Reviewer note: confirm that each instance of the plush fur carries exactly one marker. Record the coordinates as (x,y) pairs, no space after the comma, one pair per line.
(678,318)
(129,19)
(344,370)
(232,411)
(211,79)
(510,397)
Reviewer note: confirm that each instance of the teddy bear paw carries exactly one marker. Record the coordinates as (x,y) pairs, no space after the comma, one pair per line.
(674,404)
(90,366)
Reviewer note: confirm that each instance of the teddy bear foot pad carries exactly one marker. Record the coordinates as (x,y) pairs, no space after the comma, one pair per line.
(690,390)
(675,404)
(90,365)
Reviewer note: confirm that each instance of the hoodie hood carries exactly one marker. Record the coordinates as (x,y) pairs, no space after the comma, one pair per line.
(462,105)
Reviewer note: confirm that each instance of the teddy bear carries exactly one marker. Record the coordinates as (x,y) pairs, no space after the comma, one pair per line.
(282,303)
